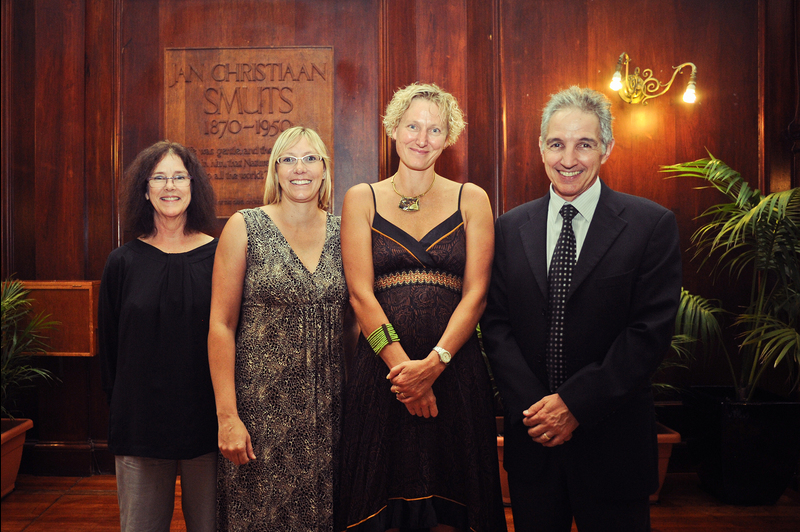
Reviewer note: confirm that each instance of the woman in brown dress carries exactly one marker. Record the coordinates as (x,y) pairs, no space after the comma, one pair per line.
(419,446)
(275,347)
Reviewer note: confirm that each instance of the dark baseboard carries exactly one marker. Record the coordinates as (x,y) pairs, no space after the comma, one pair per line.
(66,459)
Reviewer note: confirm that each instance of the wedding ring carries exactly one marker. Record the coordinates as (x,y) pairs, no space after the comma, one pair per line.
(546,437)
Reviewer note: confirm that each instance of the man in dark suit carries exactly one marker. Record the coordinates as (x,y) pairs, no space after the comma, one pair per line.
(573,365)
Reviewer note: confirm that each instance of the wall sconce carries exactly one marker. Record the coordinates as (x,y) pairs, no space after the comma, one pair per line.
(635,89)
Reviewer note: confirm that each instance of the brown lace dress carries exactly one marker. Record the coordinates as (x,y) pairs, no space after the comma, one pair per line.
(404,471)
(288,385)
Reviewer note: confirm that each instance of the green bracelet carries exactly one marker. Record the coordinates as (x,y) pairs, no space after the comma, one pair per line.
(381,337)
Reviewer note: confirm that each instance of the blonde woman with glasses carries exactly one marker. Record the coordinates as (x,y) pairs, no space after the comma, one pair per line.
(275,347)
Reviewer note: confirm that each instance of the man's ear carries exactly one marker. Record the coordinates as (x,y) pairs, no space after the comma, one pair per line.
(607,154)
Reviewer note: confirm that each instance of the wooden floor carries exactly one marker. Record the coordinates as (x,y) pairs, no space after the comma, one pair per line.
(72,504)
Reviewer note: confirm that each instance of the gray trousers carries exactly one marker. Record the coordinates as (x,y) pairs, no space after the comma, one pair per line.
(146,493)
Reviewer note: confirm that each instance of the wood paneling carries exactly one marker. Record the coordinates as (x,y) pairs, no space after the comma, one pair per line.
(73,306)
(780,99)
(102,164)
(18,138)
(483,92)
(59,188)
(398,52)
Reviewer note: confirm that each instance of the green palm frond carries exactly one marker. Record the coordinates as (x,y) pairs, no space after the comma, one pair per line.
(718,175)
(697,319)
(775,341)
(23,337)
(750,236)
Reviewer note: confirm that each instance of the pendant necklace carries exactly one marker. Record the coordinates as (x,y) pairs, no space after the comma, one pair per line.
(410,204)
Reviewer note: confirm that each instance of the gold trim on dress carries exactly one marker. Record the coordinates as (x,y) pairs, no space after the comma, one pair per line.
(410,277)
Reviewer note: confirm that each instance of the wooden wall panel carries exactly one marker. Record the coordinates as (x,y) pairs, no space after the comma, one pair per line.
(59,187)
(781,98)
(483,98)
(356,115)
(398,53)
(18,140)
(442,27)
(141,74)
(538,57)
(101,132)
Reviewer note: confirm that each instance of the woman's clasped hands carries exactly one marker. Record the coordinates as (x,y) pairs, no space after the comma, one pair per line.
(412,382)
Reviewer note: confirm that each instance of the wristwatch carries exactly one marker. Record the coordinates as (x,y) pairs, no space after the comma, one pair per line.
(444,355)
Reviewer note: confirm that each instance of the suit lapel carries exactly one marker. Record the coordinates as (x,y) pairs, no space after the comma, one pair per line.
(605,228)
(534,241)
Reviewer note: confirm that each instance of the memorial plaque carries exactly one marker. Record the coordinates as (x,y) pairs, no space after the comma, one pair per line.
(230,104)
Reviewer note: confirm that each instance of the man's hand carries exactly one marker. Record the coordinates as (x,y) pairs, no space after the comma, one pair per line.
(550,421)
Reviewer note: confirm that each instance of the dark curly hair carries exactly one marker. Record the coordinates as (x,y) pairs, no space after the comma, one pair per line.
(137,211)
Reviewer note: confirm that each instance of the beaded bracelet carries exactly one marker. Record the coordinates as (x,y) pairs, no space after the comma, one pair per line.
(381,337)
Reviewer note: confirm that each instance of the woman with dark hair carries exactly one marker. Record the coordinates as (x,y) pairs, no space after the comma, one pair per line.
(275,347)
(155,299)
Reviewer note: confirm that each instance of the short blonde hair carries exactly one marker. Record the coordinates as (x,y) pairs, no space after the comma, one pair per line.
(287,140)
(448,108)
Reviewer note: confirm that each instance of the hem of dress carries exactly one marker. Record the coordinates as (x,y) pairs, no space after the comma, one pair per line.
(414,514)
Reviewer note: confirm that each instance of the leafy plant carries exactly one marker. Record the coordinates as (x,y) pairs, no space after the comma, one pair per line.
(689,331)
(23,338)
(756,238)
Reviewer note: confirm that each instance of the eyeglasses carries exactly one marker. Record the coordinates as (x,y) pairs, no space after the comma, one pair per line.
(160,181)
(308,160)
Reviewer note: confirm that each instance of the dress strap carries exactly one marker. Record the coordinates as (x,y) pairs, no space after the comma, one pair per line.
(374,202)
(460,190)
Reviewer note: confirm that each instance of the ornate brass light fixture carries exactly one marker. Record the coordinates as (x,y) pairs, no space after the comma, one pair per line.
(638,89)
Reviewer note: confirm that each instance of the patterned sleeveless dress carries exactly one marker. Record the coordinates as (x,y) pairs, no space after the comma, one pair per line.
(404,471)
(288,385)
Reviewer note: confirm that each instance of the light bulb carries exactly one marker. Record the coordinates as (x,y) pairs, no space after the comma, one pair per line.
(689,96)
(616,81)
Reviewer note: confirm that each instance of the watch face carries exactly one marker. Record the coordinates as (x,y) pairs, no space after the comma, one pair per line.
(444,354)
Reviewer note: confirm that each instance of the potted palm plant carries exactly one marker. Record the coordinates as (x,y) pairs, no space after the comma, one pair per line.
(22,338)
(751,442)
(679,355)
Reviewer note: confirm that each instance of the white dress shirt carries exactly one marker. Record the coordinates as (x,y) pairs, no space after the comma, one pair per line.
(586,203)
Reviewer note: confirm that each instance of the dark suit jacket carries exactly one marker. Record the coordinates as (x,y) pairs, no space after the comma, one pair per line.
(620,314)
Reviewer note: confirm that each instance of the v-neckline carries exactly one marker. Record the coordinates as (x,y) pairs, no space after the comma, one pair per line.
(291,249)
(426,235)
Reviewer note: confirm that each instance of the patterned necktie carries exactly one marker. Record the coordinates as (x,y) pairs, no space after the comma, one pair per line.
(561,266)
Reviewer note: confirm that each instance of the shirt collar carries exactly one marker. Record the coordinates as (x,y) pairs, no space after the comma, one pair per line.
(586,203)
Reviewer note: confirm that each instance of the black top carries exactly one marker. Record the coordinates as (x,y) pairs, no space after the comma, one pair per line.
(153,330)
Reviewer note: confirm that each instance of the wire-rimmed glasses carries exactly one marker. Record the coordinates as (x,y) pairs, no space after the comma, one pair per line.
(160,181)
